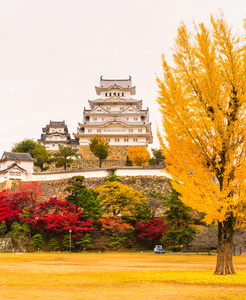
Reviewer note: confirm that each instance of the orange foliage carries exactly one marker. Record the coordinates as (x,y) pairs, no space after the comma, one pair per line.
(114,224)
(139,156)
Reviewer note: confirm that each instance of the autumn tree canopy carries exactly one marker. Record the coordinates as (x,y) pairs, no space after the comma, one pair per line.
(139,156)
(118,198)
(202,99)
(100,148)
(65,156)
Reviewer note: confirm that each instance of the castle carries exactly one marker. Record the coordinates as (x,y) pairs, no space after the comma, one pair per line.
(115,116)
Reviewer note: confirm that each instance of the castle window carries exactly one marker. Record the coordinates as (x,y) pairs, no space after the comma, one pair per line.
(130,130)
(135,119)
(114,94)
(118,94)
(121,108)
(117,140)
(139,130)
(110,94)
(123,94)
(14,174)
(89,130)
(98,130)
(108,140)
(135,140)
(102,119)
(126,140)
(106,94)
(94,119)
(108,108)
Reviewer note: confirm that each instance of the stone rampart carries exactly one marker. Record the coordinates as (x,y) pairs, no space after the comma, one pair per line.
(116,153)
(144,184)
(6,244)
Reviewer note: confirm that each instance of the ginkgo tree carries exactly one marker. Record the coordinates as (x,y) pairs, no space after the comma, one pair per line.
(202,99)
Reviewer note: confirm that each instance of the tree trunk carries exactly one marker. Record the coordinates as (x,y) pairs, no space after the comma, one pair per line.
(100,162)
(225,247)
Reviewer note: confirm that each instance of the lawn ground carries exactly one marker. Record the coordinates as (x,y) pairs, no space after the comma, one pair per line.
(89,276)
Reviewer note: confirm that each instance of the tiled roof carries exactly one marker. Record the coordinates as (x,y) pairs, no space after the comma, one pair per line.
(121,100)
(57,123)
(124,83)
(17,156)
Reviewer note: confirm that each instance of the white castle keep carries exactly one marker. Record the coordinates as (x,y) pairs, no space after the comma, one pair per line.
(115,116)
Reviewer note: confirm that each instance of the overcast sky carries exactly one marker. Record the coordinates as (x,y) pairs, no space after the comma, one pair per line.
(53,53)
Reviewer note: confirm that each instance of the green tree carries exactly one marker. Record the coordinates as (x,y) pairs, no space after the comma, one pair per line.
(66,242)
(64,157)
(75,187)
(3,229)
(86,198)
(36,151)
(116,241)
(85,242)
(25,146)
(157,158)
(100,148)
(20,232)
(43,158)
(53,244)
(38,241)
(178,218)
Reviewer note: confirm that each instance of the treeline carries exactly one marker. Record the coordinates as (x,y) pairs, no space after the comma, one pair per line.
(65,156)
(110,217)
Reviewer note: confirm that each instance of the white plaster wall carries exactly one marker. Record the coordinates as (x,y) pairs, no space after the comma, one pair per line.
(122,141)
(112,91)
(4,165)
(58,129)
(64,175)
(95,173)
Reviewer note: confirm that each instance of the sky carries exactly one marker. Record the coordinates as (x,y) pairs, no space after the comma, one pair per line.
(53,53)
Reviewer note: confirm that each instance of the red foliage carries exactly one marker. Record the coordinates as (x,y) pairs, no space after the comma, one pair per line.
(31,191)
(12,203)
(152,230)
(55,216)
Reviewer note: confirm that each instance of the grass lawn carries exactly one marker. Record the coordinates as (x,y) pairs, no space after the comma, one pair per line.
(117,276)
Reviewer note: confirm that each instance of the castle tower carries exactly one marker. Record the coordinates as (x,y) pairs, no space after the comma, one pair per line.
(117,117)
(55,134)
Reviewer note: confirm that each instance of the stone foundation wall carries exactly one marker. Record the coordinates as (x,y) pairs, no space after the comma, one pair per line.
(115,152)
(144,184)
(6,244)
(5,185)
(117,157)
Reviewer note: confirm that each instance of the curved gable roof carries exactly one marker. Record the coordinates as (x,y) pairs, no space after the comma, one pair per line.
(17,156)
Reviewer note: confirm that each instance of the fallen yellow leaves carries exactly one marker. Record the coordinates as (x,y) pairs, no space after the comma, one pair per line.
(129,275)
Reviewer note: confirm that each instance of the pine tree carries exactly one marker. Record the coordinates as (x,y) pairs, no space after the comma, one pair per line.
(38,241)
(178,219)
